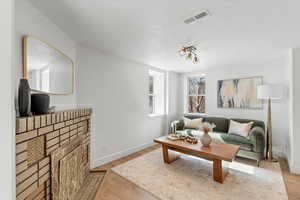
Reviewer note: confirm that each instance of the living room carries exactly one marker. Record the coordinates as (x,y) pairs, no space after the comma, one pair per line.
(157,100)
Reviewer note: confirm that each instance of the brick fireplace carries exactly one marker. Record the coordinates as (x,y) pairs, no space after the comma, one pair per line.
(53,156)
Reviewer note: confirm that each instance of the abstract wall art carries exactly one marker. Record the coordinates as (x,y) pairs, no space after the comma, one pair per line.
(239,93)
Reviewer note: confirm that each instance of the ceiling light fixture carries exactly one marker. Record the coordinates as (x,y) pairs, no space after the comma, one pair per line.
(189,53)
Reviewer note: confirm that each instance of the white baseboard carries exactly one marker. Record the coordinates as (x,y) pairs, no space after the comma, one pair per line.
(279,154)
(294,169)
(279,151)
(108,158)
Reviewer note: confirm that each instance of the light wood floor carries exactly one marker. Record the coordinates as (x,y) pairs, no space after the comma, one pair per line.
(115,187)
(292,181)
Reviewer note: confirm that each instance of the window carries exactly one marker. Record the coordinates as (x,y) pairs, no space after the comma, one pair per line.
(151,95)
(156,93)
(196,94)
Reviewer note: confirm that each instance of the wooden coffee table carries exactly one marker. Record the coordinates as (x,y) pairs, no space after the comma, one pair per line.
(218,152)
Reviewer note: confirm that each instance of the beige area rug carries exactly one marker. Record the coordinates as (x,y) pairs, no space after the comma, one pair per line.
(190,178)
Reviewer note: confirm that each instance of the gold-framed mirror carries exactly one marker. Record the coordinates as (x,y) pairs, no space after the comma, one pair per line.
(47,69)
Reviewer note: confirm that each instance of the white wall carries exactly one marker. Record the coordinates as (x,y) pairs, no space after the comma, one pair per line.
(7,147)
(173,97)
(294,158)
(30,21)
(274,72)
(117,90)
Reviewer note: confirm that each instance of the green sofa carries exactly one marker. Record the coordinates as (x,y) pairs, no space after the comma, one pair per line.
(251,147)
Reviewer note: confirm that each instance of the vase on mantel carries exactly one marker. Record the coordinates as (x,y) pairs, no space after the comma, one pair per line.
(24,99)
(40,103)
(205,138)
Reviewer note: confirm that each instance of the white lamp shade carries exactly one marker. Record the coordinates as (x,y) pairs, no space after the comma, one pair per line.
(269,92)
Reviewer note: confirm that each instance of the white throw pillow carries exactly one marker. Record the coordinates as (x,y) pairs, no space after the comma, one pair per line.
(241,129)
(192,123)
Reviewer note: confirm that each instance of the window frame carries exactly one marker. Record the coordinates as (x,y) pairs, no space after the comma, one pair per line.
(194,95)
(153,73)
(151,95)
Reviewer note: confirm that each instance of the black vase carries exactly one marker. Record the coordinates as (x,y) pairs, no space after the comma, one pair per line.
(40,104)
(24,98)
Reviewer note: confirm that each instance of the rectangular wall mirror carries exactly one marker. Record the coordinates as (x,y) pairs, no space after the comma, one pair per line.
(47,69)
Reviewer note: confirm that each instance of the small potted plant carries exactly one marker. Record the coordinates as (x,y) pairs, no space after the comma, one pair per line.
(206,139)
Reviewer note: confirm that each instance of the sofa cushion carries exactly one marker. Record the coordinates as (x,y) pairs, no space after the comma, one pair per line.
(255,122)
(192,123)
(243,142)
(221,123)
(238,128)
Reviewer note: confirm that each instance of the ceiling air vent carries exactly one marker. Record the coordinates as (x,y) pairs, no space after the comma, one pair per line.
(193,19)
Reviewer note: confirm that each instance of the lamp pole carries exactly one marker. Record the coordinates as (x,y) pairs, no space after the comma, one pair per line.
(269,92)
(269,134)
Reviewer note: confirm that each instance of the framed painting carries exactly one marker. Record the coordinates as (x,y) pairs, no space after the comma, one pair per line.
(239,93)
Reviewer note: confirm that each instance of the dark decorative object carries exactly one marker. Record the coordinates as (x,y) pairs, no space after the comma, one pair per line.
(24,98)
(40,104)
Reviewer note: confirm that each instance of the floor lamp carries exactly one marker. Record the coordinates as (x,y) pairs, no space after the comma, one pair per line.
(269,93)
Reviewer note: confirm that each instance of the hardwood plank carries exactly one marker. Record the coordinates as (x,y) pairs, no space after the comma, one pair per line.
(292,181)
(116,187)
(114,163)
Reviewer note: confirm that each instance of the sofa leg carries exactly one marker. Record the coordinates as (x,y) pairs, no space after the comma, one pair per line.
(257,163)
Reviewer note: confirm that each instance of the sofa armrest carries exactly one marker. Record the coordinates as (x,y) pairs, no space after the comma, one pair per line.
(177,125)
(257,138)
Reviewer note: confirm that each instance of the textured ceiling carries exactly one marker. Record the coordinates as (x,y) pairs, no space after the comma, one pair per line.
(152,32)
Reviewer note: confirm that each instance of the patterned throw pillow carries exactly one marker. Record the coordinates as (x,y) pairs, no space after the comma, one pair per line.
(192,123)
(238,128)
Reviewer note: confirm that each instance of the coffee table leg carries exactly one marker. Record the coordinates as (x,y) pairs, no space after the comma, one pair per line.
(219,173)
(165,153)
(168,158)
